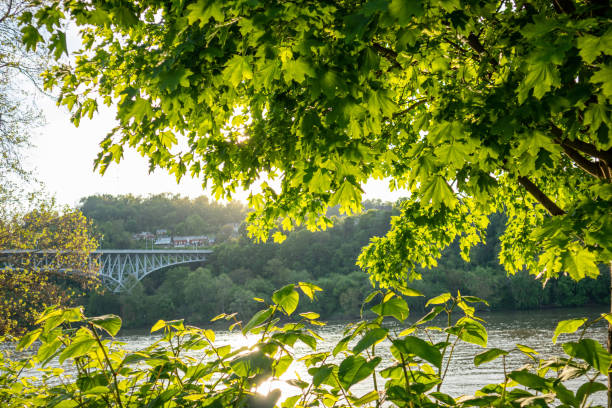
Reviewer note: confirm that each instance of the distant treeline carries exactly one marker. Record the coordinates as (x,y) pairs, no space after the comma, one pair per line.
(240,270)
(118,218)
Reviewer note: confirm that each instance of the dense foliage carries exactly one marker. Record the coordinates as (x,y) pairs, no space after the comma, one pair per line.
(48,259)
(239,269)
(476,107)
(187,367)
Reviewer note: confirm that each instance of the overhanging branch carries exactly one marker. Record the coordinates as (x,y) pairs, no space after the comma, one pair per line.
(585,164)
(584,147)
(539,195)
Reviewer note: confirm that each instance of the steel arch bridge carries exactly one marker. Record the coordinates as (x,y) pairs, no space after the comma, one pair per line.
(120,269)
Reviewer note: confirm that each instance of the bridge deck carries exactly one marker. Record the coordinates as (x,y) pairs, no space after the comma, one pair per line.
(112,251)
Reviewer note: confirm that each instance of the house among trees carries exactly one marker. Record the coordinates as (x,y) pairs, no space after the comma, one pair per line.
(198,240)
(143,235)
(185,241)
(163,241)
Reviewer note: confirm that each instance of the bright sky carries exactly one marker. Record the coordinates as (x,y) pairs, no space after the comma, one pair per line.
(63,156)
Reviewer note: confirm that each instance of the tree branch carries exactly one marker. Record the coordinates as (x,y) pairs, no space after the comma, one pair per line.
(585,164)
(584,147)
(477,46)
(539,195)
(388,54)
(409,108)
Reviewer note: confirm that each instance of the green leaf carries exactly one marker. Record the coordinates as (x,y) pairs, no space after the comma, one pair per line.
(395,307)
(438,300)
(309,289)
(420,348)
(404,10)
(321,374)
(266,76)
(140,110)
(237,70)
(78,348)
(567,326)
(297,70)
(406,291)
(590,351)
(471,331)
(580,263)
(30,37)
(160,324)
(342,345)
(541,77)
(203,11)
(354,369)
(348,195)
(381,101)
(604,77)
(110,323)
(257,319)
(287,298)
(26,341)
(445,398)
(453,154)
(310,315)
(47,350)
(371,337)
(589,388)
(529,380)
(97,390)
(58,44)
(591,46)
(124,16)
(488,355)
(431,315)
(170,80)
(366,398)
(527,350)
(437,192)
(474,299)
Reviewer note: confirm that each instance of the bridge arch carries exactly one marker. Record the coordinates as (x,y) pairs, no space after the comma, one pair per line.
(121,269)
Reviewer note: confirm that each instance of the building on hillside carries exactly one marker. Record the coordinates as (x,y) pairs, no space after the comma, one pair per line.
(143,235)
(179,242)
(161,232)
(195,240)
(163,241)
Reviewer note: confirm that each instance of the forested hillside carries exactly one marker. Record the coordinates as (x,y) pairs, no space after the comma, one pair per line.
(240,270)
(118,218)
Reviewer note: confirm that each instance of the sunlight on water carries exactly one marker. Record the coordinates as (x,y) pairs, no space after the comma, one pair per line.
(505,329)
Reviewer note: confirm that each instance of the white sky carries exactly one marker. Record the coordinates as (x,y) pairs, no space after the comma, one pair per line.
(63,155)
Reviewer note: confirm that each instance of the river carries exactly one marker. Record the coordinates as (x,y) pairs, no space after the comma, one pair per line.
(505,329)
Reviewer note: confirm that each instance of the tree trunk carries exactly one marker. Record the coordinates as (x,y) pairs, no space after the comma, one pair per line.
(610,344)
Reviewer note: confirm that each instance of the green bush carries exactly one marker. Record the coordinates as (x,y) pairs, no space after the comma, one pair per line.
(187,368)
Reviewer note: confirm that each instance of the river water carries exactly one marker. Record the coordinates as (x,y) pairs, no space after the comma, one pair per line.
(505,329)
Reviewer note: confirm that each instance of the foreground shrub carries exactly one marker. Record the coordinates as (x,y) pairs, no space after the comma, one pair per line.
(186,368)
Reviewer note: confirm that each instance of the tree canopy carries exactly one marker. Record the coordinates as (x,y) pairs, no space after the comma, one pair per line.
(473,106)
(54,244)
